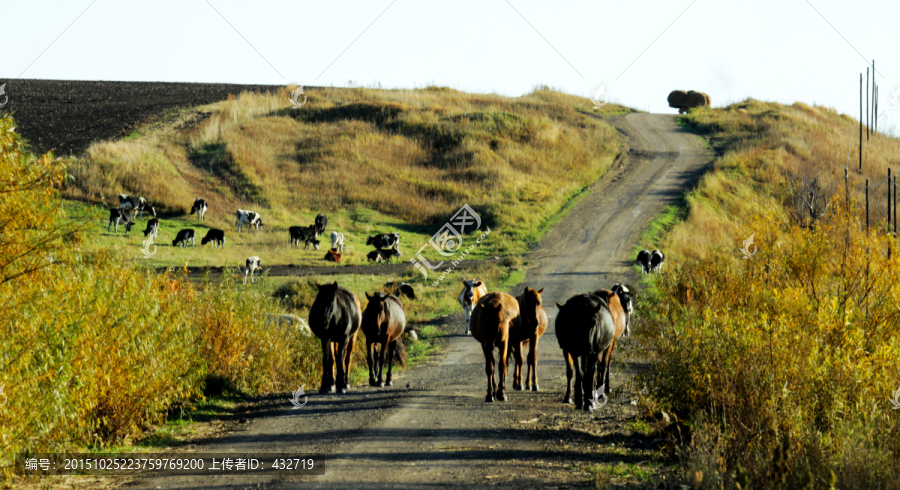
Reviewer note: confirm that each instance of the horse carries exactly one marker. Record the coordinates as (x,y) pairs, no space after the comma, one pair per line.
(335,317)
(532,324)
(493,324)
(621,307)
(383,322)
(585,330)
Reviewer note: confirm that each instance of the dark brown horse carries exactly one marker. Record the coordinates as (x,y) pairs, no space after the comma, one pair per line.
(493,324)
(532,324)
(585,330)
(335,318)
(383,323)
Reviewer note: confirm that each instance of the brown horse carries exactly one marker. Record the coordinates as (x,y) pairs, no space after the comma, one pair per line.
(335,318)
(585,331)
(493,324)
(383,323)
(532,324)
(621,306)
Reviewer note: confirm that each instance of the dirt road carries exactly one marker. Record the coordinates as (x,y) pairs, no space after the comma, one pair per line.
(432,428)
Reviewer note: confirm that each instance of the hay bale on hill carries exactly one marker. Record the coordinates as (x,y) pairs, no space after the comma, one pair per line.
(681,100)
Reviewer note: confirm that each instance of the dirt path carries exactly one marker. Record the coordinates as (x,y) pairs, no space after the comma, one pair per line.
(432,429)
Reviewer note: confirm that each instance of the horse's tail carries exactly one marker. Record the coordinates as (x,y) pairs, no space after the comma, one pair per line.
(400,353)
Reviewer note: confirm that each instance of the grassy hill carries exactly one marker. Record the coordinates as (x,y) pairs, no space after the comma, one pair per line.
(372,160)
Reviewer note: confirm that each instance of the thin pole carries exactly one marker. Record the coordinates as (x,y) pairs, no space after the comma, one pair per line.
(867,104)
(889,200)
(875,125)
(867,204)
(895,205)
(873,92)
(860,121)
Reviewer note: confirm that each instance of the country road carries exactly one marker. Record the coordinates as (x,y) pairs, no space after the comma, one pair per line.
(432,429)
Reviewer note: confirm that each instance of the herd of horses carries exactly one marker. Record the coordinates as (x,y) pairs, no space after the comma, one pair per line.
(587,328)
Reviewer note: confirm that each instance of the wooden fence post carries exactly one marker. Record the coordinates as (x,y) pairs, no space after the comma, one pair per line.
(867,204)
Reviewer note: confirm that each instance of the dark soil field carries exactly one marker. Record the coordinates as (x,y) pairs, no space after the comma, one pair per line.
(66,116)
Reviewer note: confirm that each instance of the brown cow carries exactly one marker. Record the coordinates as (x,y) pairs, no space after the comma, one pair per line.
(383,323)
(532,324)
(493,323)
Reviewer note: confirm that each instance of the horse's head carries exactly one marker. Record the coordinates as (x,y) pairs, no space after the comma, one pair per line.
(530,304)
(626,297)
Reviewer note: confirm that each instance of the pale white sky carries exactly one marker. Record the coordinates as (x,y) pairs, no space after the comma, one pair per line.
(780,50)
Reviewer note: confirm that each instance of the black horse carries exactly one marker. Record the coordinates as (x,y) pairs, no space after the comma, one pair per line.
(383,322)
(335,317)
(585,330)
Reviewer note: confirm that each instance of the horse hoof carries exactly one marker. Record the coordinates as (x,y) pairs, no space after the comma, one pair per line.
(577,406)
(567,400)
(372,382)
(588,408)
(517,388)
(489,399)
(389,383)
(535,388)
(326,389)
(381,384)
(501,397)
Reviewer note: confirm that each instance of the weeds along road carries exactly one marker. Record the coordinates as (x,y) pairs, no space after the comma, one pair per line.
(432,429)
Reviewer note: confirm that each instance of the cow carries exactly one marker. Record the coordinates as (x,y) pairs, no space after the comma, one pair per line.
(385,241)
(656,260)
(382,255)
(306,234)
(250,218)
(399,289)
(185,236)
(253,265)
(200,208)
(216,236)
(119,215)
(337,241)
(152,228)
(333,256)
(321,223)
(643,259)
(471,292)
(135,203)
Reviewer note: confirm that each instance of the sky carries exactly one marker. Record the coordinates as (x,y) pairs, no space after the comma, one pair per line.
(785,51)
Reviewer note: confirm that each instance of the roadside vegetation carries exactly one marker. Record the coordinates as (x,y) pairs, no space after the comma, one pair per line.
(784,362)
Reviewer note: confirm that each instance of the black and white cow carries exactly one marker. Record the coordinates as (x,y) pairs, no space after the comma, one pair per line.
(119,215)
(185,236)
(643,259)
(400,289)
(656,260)
(152,228)
(337,242)
(138,204)
(321,223)
(250,218)
(253,265)
(385,241)
(200,208)
(216,236)
(382,255)
(625,294)
(306,234)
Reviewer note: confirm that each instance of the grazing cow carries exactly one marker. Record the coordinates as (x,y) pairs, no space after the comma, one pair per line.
(585,329)
(400,289)
(306,234)
(337,241)
(656,260)
(136,203)
(383,322)
(321,223)
(119,215)
(250,218)
(333,256)
(382,255)
(620,306)
(335,317)
(216,236)
(152,228)
(532,323)
(185,236)
(385,241)
(643,259)
(287,320)
(471,292)
(493,325)
(253,265)
(200,208)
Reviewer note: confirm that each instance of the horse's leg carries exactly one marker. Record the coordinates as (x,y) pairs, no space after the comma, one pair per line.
(577,363)
(567,398)
(392,350)
(609,354)
(501,390)
(341,367)
(517,371)
(489,370)
(327,367)
(531,377)
(348,359)
(590,371)
(370,360)
(384,346)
